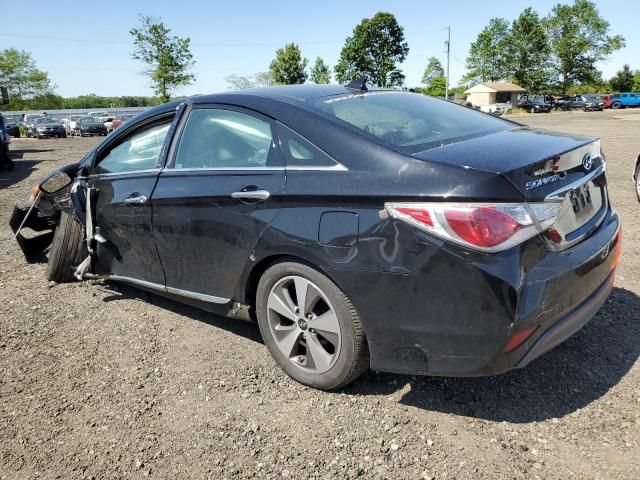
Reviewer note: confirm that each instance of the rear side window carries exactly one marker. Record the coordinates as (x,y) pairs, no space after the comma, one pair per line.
(408,121)
(216,138)
(617,95)
(299,152)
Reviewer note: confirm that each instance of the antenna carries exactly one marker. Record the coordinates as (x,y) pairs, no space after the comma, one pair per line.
(359,84)
(447,46)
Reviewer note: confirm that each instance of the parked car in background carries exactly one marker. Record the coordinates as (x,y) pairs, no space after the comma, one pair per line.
(72,124)
(46,127)
(606,100)
(11,126)
(120,119)
(87,126)
(364,227)
(102,116)
(587,102)
(29,118)
(624,100)
(5,160)
(534,104)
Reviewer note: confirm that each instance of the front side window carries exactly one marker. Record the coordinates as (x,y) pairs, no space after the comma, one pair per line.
(138,151)
(216,138)
(408,121)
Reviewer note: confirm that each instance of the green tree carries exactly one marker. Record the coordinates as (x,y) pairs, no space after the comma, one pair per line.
(169,58)
(239,82)
(636,82)
(373,51)
(288,68)
(488,60)
(434,79)
(18,72)
(528,52)
(320,72)
(623,80)
(434,69)
(579,39)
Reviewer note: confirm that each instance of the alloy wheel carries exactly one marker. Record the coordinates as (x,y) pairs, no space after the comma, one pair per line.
(304,324)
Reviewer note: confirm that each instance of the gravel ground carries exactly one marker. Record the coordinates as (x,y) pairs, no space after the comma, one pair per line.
(99,380)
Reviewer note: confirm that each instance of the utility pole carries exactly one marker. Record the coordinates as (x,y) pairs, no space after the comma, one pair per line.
(447,45)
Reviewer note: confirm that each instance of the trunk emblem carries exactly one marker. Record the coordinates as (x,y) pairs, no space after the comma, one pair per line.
(586,162)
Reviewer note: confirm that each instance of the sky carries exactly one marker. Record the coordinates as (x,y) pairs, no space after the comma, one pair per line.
(86,46)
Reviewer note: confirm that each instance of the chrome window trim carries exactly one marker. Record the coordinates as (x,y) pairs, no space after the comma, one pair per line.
(130,172)
(333,168)
(162,288)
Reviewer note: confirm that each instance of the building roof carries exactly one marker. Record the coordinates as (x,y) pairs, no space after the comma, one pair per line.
(490,87)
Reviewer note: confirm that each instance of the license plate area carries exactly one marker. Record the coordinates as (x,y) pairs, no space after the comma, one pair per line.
(580,213)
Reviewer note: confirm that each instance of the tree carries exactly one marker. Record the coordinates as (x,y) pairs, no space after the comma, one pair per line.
(373,52)
(487,60)
(238,82)
(320,72)
(528,52)
(18,72)
(288,68)
(579,39)
(169,57)
(636,82)
(434,69)
(623,80)
(434,79)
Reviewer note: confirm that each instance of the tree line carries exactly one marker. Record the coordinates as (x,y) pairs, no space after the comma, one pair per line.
(556,53)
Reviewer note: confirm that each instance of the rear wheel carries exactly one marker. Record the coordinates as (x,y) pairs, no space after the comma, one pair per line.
(310,327)
(66,249)
(616,105)
(638,181)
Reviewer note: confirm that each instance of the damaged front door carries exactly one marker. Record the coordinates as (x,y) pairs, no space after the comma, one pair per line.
(124,176)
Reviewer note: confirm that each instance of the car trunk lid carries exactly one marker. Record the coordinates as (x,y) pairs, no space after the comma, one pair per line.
(545,167)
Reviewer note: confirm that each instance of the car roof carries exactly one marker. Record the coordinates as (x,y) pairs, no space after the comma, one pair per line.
(285,93)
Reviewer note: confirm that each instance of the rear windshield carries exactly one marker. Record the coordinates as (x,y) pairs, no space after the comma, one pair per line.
(408,121)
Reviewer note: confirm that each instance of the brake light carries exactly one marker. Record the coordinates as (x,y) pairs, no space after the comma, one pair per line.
(481,226)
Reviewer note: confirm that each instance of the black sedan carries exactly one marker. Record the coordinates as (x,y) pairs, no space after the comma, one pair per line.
(361,228)
(88,126)
(534,104)
(46,127)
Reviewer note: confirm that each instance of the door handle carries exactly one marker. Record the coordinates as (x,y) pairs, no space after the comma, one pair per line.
(136,199)
(251,195)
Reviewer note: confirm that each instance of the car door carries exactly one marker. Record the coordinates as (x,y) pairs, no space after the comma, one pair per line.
(122,178)
(220,190)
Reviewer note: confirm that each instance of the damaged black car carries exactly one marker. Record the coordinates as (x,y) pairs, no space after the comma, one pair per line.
(362,228)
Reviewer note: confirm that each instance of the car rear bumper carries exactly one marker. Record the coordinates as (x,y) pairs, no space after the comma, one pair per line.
(456,315)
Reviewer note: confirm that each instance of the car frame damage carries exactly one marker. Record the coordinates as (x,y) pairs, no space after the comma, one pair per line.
(34,225)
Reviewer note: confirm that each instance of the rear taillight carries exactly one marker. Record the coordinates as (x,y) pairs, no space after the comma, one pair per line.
(481,226)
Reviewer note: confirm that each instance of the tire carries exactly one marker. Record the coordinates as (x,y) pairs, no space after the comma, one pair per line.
(66,249)
(584,109)
(342,355)
(638,181)
(616,105)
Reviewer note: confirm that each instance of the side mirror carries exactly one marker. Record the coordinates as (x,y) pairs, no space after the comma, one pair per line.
(56,182)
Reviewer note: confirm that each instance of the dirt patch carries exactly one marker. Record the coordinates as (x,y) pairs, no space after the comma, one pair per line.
(99,380)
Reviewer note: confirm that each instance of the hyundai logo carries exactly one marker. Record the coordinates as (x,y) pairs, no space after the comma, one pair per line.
(586,162)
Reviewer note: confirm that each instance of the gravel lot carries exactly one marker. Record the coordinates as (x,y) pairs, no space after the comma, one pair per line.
(99,380)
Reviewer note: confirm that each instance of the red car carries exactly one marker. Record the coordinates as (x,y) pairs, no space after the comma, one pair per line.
(607,100)
(119,120)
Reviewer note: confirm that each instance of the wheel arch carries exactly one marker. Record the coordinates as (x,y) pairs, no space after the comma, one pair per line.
(247,293)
